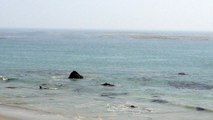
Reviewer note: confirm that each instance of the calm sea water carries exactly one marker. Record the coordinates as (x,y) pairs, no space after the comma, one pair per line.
(143,66)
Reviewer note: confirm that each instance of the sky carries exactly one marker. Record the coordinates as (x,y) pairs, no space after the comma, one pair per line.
(178,15)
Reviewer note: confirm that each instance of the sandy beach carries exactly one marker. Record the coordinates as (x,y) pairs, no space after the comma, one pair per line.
(17,113)
(5,118)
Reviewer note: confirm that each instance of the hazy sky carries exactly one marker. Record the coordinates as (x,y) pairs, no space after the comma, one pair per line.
(108,14)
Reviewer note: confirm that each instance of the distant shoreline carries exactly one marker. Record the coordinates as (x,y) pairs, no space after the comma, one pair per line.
(117,34)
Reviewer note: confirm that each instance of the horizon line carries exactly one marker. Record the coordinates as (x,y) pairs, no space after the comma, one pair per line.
(92,29)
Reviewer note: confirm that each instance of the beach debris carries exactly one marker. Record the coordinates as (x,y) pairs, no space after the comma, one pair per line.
(200,109)
(75,75)
(182,73)
(108,84)
(189,85)
(159,101)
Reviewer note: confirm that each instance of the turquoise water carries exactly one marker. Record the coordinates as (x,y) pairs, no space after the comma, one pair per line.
(143,66)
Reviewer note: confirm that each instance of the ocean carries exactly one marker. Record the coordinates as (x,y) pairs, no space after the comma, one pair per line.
(157,75)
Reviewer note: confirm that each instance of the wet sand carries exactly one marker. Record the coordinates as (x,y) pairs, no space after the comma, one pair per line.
(17,113)
(5,118)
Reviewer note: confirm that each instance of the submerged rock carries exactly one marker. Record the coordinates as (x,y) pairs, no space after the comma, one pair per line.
(112,94)
(159,101)
(197,108)
(155,96)
(189,85)
(108,84)
(200,109)
(145,79)
(11,87)
(75,75)
(182,73)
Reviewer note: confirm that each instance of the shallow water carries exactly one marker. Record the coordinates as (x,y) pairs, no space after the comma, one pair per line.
(143,67)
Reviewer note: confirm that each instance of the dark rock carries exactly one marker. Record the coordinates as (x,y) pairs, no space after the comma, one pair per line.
(42,87)
(108,84)
(200,109)
(182,73)
(75,75)
(11,87)
(159,101)
(132,106)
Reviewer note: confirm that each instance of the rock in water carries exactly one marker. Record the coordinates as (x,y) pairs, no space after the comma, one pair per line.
(159,101)
(108,84)
(42,87)
(132,106)
(200,109)
(182,73)
(75,75)
(11,87)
